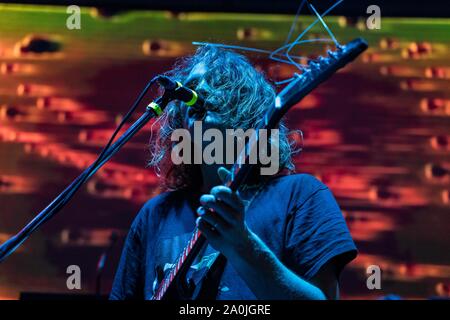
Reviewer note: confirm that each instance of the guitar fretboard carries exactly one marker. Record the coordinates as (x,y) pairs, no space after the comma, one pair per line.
(168,280)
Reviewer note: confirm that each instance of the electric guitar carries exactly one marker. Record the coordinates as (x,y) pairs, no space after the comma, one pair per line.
(175,284)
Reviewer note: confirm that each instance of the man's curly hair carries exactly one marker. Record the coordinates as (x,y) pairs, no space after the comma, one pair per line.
(234,89)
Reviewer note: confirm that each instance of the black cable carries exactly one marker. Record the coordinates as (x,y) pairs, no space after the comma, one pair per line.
(15,241)
(130,112)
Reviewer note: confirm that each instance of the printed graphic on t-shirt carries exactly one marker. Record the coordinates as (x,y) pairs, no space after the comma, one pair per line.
(168,253)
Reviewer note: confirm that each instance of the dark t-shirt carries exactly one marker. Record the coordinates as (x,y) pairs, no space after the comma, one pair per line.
(296,216)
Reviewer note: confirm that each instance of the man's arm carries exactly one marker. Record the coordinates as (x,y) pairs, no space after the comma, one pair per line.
(269,278)
(222,222)
(128,282)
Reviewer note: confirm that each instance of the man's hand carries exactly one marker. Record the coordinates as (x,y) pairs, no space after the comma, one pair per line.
(221,219)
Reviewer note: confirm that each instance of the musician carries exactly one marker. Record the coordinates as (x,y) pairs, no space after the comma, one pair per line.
(283,236)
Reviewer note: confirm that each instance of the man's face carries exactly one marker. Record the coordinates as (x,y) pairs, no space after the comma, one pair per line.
(211,140)
(209,118)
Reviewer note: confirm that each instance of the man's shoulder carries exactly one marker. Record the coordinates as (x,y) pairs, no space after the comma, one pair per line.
(299,182)
(155,206)
(296,189)
(163,200)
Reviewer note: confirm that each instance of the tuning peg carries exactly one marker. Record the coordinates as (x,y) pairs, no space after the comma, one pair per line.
(322,60)
(314,66)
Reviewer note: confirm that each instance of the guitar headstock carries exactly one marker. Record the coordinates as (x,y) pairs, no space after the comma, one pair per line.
(318,71)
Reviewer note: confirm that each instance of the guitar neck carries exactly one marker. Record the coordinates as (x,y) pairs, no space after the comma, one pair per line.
(194,246)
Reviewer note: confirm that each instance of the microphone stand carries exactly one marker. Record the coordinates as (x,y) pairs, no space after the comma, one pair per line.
(63,198)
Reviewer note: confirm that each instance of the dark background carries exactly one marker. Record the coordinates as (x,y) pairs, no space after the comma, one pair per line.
(394,8)
(376,133)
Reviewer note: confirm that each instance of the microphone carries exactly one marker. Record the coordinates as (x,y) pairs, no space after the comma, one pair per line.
(179,92)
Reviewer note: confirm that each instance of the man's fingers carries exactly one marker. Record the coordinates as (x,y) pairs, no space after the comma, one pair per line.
(229,197)
(213,219)
(223,174)
(228,213)
(206,229)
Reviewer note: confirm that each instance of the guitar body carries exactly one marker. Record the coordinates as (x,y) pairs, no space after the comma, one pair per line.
(206,288)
